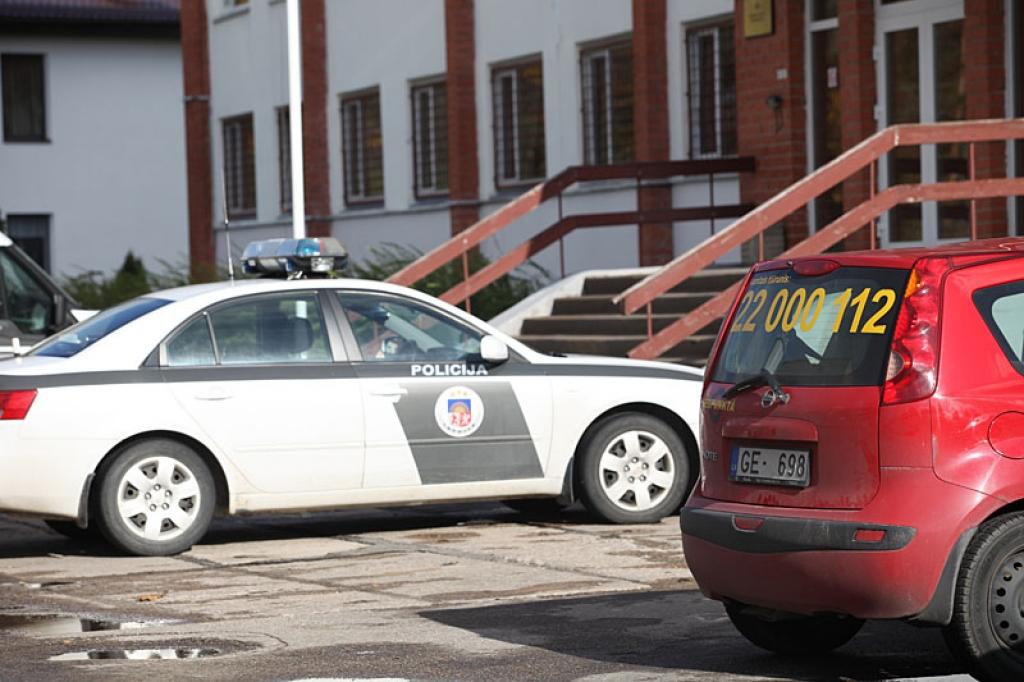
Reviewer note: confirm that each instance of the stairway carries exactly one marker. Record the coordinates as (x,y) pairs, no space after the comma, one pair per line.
(591,324)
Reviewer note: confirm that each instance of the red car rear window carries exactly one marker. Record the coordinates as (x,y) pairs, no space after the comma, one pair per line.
(832,329)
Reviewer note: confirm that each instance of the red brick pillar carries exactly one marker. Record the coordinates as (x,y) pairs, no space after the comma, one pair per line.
(463,164)
(858,91)
(650,121)
(316,171)
(770,67)
(198,159)
(985,78)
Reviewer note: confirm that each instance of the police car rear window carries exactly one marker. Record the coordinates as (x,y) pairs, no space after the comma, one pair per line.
(823,330)
(85,334)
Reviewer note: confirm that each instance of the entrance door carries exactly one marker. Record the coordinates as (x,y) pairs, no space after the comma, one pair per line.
(921,79)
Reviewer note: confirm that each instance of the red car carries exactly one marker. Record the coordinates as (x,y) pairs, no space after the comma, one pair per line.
(863,452)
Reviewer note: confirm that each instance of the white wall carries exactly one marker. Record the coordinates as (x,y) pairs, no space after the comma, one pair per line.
(112,176)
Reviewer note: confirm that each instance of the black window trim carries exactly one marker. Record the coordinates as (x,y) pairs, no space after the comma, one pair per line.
(337,348)
(983,300)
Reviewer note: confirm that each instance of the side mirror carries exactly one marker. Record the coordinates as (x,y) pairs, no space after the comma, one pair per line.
(493,350)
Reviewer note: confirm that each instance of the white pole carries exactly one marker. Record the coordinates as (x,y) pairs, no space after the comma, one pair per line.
(295,121)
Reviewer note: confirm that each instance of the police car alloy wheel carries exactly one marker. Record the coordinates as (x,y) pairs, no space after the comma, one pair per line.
(634,469)
(156,498)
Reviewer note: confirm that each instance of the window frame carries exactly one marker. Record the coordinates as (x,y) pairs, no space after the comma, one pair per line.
(336,347)
(282,114)
(357,155)
(984,300)
(242,159)
(420,189)
(43,135)
(588,54)
(513,71)
(693,33)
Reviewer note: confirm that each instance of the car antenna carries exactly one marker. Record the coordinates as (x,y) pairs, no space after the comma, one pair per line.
(227,226)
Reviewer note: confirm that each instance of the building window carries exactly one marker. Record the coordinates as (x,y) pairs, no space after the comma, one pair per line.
(825,106)
(430,139)
(608,104)
(24,100)
(284,159)
(32,234)
(519,143)
(239,167)
(711,81)
(362,148)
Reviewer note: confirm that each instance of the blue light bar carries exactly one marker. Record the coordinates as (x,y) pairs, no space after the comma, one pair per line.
(294,258)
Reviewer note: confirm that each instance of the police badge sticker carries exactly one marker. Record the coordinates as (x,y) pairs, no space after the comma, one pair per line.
(459,411)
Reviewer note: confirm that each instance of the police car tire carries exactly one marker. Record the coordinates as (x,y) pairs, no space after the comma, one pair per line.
(593,487)
(792,634)
(113,473)
(987,630)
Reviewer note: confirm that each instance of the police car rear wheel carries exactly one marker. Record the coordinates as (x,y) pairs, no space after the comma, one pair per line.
(634,469)
(156,498)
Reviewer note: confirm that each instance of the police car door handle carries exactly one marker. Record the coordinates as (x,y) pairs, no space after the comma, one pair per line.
(213,393)
(393,391)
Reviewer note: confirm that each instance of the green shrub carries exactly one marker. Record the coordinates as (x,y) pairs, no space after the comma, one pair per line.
(387,259)
(96,290)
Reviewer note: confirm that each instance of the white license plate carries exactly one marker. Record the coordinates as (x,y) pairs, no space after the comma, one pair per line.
(751,464)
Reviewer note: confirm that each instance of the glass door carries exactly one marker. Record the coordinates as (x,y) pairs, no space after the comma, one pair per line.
(921,79)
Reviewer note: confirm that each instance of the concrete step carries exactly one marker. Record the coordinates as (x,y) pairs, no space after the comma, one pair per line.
(710,280)
(602,304)
(616,346)
(602,325)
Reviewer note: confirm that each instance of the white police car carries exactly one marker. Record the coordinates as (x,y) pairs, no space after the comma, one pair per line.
(299,394)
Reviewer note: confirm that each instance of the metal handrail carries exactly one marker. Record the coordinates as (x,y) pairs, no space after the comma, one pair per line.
(464,242)
(864,155)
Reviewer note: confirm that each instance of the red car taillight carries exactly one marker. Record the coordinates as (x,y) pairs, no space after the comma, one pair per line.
(14,405)
(914,356)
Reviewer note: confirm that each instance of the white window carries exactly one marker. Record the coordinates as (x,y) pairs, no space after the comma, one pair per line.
(284,159)
(711,80)
(519,143)
(239,166)
(607,79)
(430,138)
(362,148)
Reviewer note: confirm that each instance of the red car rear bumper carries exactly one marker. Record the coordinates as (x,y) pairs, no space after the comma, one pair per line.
(883,561)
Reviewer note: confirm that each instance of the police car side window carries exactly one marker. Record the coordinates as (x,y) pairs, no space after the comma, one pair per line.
(192,346)
(389,329)
(271,330)
(28,305)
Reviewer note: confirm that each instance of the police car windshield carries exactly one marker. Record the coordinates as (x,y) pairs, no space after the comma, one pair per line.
(85,334)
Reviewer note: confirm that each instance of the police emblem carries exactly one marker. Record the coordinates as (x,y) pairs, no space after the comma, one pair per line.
(459,411)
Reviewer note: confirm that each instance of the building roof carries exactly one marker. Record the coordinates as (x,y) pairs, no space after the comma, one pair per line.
(152,12)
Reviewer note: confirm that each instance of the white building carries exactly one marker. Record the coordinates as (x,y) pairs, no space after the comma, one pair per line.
(388,87)
(92,160)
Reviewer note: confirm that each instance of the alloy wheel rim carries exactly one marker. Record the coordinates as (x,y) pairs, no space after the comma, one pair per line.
(1006,601)
(158,499)
(637,471)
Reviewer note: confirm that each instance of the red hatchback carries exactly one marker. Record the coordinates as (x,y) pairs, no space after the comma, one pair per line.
(863,452)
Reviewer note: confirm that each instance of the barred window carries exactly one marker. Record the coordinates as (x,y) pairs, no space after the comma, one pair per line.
(712,90)
(239,166)
(430,139)
(519,152)
(284,158)
(362,148)
(24,102)
(607,76)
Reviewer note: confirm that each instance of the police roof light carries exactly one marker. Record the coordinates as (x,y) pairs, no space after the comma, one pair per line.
(294,258)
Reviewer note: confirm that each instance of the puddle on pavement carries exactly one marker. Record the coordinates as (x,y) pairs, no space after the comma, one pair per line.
(44,624)
(136,655)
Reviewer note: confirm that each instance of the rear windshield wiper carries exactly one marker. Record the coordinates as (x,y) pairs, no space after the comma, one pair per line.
(765,378)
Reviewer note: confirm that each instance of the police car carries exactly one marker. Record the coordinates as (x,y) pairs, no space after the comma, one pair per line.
(306,393)
(32,304)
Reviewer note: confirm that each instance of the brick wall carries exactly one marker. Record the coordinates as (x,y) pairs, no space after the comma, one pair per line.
(650,121)
(198,161)
(777,138)
(985,77)
(316,171)
(463,164)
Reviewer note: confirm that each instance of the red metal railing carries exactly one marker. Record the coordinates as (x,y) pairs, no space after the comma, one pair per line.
(461,244)
(796,197)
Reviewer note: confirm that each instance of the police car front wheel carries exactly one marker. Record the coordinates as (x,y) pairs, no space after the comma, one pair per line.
(634,469)
(155,498)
